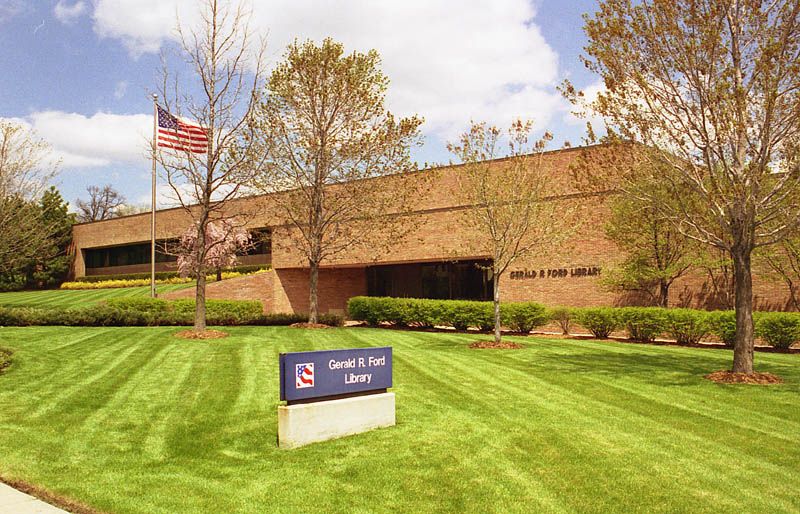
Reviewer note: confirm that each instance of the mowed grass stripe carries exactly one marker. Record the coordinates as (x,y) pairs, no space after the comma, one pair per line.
(64,298)
(558,426)
(653,428)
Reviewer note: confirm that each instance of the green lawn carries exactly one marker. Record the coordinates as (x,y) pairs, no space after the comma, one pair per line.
(76,298)
(134,420)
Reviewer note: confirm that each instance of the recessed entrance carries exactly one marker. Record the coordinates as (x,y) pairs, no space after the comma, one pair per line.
(452,280)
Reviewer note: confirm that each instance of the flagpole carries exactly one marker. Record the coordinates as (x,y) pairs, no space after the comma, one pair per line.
(153,202)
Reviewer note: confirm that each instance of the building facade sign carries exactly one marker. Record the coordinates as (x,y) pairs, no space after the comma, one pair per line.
(523,274)
(333,373)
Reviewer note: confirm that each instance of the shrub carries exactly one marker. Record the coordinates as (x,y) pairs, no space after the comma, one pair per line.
(600,321)
(424,313)
(114,284)
(687,326)
(143,279)
(149,312)
(643,323)
(524,316)
(360,308)
(562,316)
(779,329)
(460,314)
(145,304)
(165,275)
(221,312)
(723,325)
(333,320)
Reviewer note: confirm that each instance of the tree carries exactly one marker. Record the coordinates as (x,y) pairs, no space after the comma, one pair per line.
(509,204)
(325,134)
(227,76)
(656,253)
(103,203)
(129,209)
(711,91)
(51,265)
(223,239)
(24,175)
(784,259)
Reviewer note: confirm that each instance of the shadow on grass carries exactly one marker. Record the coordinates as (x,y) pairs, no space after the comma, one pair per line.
(662,368)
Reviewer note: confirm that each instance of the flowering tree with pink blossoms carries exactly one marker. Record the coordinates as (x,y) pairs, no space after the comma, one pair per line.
(223,240)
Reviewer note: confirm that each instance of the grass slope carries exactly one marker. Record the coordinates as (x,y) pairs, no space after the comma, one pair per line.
(133,420)
(78,298)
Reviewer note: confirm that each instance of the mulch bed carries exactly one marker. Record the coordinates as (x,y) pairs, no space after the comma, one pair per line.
(309,325)
(491,345)
(205,334)
(729,377)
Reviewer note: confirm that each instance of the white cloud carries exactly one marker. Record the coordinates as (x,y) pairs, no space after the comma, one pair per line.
(91,141)
(449,62)
(120,89)
(66,13)
(10,9)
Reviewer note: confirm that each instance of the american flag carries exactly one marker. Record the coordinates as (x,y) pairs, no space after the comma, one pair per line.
(304,375)
(180,135)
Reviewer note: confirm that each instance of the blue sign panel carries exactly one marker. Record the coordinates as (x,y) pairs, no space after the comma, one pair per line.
(307,375)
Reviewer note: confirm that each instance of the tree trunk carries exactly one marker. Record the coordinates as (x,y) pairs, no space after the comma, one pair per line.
(313,309)
(496,299)
(200,303)
(219,274)
(663,293)
(743,298)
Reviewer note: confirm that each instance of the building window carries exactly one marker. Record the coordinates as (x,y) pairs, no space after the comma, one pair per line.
(127,255)
(460,280)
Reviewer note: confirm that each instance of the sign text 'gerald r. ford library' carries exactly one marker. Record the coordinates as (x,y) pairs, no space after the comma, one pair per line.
(334,393)
(306,376)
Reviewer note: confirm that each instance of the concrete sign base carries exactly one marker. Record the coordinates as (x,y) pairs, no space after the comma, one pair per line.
(308,423)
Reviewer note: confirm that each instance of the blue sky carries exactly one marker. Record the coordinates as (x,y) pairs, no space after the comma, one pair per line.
(79,71)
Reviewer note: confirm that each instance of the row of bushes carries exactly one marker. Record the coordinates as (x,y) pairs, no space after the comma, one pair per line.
(461,314)
(686,326)
(132,312)
(164,275)
(139,282)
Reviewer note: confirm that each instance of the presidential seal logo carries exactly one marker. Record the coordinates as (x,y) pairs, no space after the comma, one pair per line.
(304,375)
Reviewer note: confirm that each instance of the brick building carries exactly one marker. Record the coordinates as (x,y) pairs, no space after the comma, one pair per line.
(437,259)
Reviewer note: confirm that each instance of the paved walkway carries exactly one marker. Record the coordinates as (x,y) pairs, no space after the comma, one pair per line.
(13,501)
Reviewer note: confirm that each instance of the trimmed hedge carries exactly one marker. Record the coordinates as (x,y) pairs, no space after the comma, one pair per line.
(140,282)
(164,275)
(460,314)
(687,326)
(124,312)
(778,329)
(524,316)
(600,321)
(723,325)
(643,324)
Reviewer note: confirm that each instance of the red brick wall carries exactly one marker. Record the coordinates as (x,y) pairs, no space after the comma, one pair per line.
(438,233)
(258,286)
(336,286)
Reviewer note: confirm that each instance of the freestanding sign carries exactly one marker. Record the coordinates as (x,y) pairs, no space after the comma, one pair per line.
(333,393)
(314,376)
